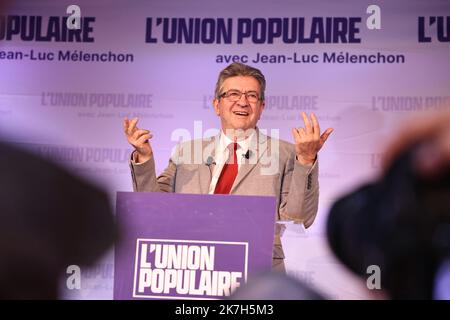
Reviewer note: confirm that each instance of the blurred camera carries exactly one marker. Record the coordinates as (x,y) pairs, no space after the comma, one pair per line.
(400,223)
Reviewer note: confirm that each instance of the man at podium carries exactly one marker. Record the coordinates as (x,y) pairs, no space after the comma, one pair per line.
(241,159)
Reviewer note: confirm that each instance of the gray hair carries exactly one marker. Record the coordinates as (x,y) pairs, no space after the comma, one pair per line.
(239,69)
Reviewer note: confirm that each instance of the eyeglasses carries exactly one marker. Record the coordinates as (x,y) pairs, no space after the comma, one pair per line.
(235,95)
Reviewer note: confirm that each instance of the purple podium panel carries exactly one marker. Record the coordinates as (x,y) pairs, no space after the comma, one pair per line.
(183,246)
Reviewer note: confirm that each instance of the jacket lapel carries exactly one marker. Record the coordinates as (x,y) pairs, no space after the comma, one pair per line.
(205,170)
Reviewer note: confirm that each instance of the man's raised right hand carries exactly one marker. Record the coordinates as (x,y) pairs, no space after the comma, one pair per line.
(138,138)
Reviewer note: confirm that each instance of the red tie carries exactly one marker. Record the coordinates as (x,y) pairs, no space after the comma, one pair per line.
(229,172)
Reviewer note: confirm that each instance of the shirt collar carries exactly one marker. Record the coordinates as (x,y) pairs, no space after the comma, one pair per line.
(243,145)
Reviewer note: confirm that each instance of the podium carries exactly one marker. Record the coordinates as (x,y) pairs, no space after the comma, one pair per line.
(186,246)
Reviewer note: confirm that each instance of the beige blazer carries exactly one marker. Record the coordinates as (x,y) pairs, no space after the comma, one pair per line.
(271,170)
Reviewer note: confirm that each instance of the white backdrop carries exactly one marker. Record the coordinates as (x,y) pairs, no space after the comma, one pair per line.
(71,111)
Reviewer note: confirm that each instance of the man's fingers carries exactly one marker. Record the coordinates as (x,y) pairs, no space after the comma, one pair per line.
(126,124)
(139,132)
(325,136)
(307,123)
(132,126)
(316,127)
(298,133)
(142,139)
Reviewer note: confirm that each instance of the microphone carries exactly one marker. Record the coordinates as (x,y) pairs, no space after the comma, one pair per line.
(247,155)
(210,161)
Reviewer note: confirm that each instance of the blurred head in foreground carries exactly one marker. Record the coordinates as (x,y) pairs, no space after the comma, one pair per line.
(50,219)
(401,222)
(275,286)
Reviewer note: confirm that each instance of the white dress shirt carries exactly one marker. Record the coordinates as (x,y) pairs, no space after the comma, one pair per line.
(222,154)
